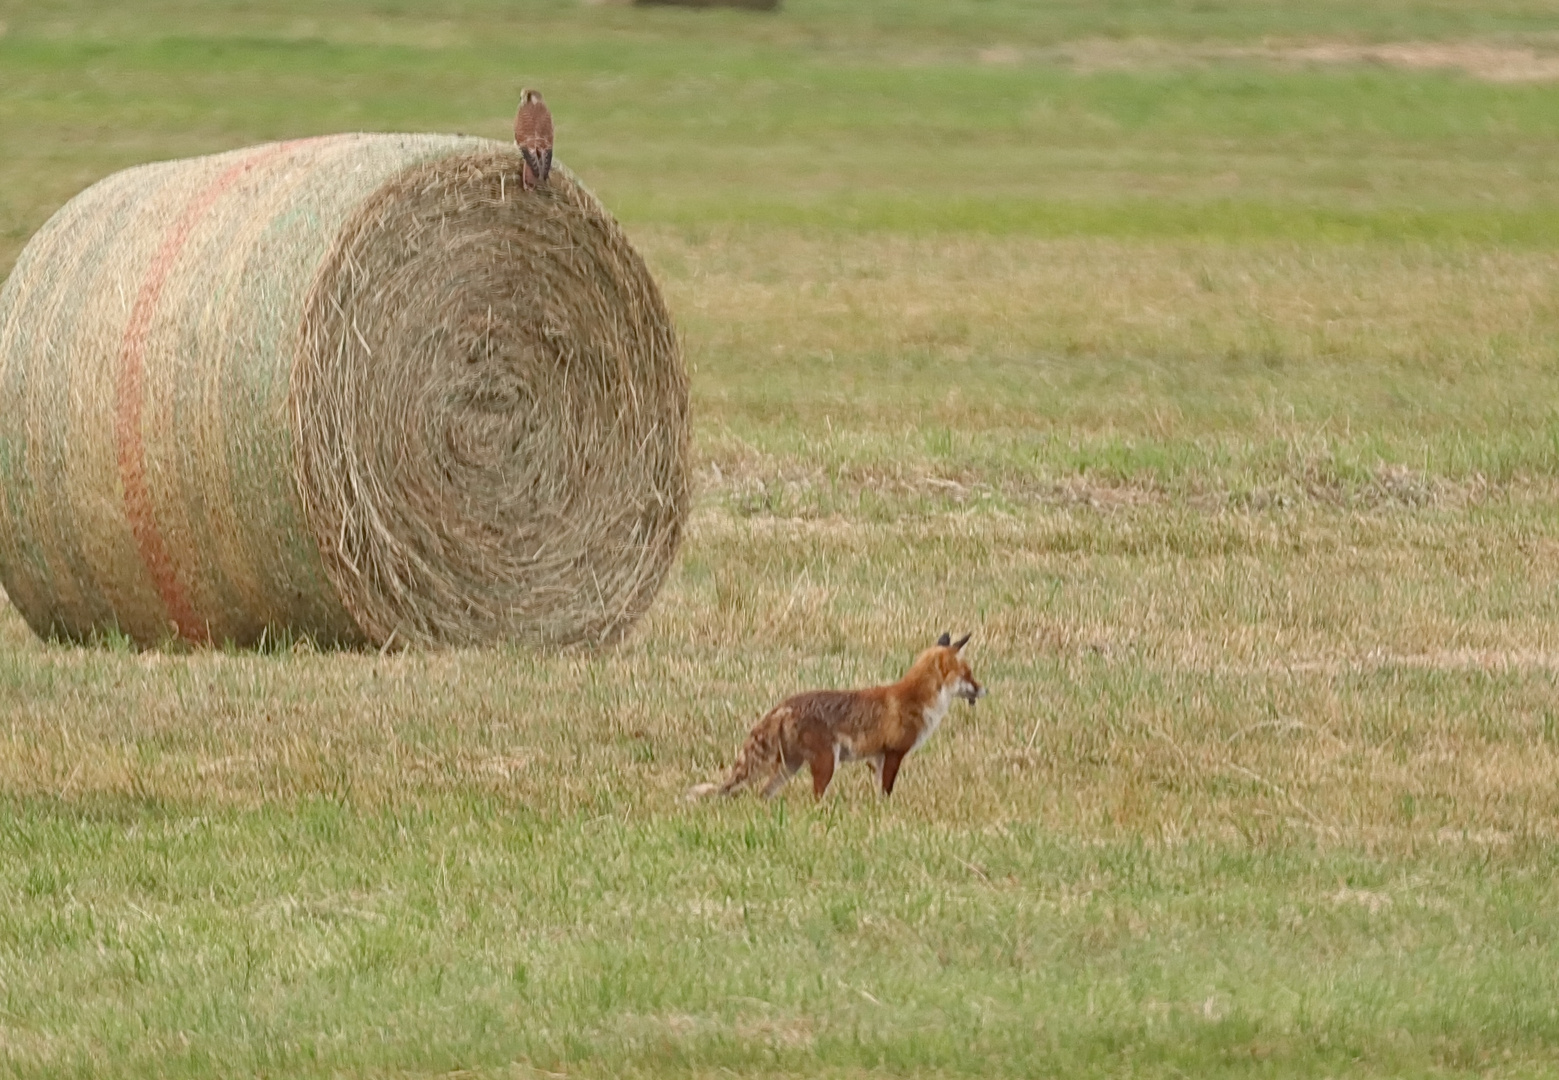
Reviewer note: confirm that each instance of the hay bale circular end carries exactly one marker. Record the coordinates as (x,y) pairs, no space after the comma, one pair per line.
(360,388)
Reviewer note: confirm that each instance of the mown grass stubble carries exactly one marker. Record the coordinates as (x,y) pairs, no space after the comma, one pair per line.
(1216,401)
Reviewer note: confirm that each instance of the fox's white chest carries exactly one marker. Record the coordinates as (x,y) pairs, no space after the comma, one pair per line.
(932,715)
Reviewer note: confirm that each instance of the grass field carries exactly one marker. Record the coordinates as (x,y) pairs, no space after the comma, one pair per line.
(1201,358)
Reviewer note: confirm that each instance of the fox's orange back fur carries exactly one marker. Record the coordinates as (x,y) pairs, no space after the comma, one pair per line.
(879,725)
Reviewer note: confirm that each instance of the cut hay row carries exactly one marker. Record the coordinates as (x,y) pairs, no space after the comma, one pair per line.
(360,388)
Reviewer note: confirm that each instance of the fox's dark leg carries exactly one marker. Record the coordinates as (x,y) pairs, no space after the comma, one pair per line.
(891,760)
(780,778)
(822,772)
(786,765)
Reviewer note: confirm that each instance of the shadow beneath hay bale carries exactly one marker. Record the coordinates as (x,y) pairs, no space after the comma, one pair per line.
(747,5)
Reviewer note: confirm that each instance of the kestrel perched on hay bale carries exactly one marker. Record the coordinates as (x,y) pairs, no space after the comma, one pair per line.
(533,133)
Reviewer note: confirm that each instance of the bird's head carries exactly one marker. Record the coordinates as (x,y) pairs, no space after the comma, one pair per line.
(528,95)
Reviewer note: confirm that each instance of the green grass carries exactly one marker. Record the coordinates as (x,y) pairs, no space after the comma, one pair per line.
(692,120)
(468,936)
(1210,384)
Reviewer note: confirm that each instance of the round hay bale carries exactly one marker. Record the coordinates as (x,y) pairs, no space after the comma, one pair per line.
(361,388)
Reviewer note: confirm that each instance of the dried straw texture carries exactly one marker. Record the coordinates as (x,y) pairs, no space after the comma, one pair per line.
(360,388)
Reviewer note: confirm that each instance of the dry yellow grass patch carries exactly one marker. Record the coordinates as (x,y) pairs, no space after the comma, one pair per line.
(1483,60)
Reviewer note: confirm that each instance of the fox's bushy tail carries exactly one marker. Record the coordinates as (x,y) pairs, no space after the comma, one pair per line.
(758,758)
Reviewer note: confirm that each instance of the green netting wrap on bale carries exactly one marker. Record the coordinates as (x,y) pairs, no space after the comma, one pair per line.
(361,388)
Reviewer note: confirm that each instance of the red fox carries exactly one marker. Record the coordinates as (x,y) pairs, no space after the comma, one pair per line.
(879,726)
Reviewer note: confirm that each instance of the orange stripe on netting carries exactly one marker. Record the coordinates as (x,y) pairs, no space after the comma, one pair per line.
(129,439)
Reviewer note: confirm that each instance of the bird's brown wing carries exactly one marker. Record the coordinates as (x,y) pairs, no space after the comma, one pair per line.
(538,161)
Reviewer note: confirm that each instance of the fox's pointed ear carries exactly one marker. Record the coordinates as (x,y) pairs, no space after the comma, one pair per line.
(945,640)
(961,642)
